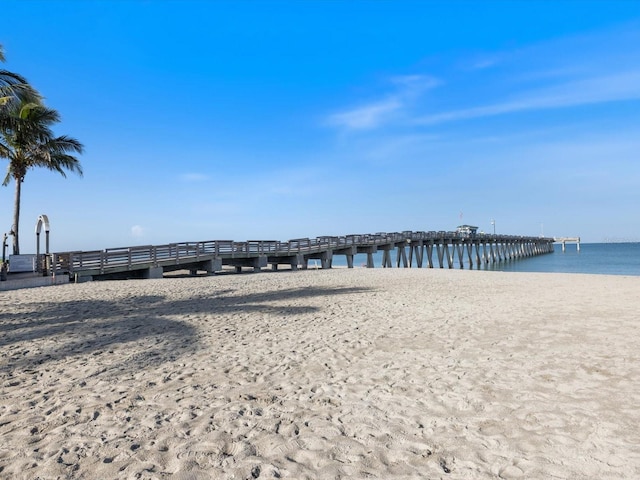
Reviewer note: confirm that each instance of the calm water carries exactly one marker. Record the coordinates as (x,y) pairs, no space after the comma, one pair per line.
(598,258)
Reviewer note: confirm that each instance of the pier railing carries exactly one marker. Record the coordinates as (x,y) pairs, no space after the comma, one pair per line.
(211,255)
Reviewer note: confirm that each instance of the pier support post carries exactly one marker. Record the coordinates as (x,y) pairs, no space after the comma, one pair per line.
(369,251)
(418,250)
(152,272)
(449,255)
(401,256)
(210,266)
(370,263)
(326,259)
(460,249)
(386,258)
(79,278)
(440,249)
(469,247)
(349,261)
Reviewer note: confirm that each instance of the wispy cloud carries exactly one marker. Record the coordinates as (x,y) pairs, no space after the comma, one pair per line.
(484,61)
(551,75)
(367,116)
(414,84)
(381,111)
(193,177)
(137,231)
(611,88)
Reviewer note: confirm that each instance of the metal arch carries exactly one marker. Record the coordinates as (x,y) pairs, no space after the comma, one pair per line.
(42,219)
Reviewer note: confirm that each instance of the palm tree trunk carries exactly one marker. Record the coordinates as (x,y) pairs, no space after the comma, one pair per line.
(16,218)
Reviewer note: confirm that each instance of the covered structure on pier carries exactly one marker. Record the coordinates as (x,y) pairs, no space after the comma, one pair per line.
(467,231)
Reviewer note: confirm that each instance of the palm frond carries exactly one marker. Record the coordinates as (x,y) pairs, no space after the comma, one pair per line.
(30,142)
(11,78)
(7,177)
(60,162)
(65,144)
(5,151)
(27,123)
(15,85)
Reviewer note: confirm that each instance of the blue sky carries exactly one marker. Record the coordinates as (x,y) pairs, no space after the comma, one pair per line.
(277,120)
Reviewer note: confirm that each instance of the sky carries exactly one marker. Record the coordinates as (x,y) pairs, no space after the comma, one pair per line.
(262,120)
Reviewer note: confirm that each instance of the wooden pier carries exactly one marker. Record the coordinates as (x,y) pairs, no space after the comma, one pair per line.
(419,249)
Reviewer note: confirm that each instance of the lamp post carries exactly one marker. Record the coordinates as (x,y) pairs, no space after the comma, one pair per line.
(3,266)
(493,222)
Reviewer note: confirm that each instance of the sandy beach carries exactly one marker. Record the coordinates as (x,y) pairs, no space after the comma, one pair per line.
(323,374)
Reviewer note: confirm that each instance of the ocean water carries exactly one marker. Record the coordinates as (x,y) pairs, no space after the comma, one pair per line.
(594,258)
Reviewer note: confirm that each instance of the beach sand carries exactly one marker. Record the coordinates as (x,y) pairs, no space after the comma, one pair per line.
(362,373)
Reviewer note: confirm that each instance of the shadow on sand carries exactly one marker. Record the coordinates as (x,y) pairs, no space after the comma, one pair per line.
(159,328)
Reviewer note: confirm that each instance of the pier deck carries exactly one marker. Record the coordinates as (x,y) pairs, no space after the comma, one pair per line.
(413,248)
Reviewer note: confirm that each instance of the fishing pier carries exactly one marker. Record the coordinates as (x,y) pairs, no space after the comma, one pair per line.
(420,249)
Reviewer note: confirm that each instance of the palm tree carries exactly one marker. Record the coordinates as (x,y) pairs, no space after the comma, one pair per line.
(13,86)
(27,141)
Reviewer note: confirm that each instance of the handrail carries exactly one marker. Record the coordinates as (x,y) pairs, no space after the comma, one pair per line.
(188,251)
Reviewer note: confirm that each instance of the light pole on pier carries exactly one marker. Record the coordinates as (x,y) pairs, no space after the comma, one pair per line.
(493,222)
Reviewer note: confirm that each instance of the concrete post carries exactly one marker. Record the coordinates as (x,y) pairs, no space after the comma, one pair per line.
(370,263)
(430,254)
